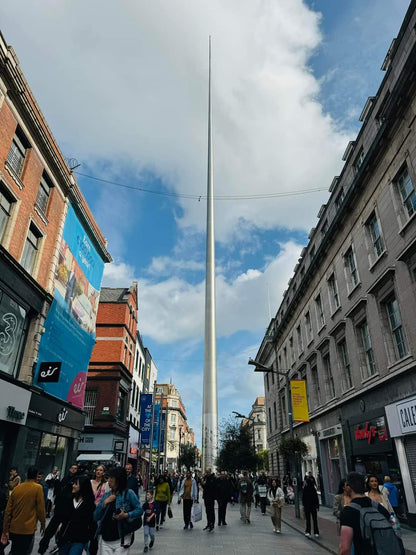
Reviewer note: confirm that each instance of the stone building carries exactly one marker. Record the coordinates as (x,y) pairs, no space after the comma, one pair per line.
(346,324)
(44,284)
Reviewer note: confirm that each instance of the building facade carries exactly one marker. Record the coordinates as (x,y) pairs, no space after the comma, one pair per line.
(257,424)
(346,324)
(110,377)
(41,417)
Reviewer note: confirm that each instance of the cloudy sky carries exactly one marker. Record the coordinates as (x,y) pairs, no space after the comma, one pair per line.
(123,86)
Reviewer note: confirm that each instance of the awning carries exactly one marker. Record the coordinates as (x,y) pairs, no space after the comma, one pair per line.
(96,457)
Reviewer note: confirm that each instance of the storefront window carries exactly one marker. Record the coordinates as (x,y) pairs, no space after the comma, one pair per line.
(13,320)
(61,451)
(30,452)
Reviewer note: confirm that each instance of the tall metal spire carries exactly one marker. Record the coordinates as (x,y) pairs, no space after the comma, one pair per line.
(210,404)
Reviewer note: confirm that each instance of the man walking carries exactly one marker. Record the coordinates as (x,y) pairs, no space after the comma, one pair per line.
(26,506)
(14,479)
(209,485)
(245,496)
(132,482)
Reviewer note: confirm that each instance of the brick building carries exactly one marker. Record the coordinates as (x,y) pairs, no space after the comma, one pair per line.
(110,377)
(37,192)
(346,324)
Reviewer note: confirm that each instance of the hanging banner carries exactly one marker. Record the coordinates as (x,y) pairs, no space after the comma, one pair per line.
(146,407)
(162,434)
(156,424)
(299,401)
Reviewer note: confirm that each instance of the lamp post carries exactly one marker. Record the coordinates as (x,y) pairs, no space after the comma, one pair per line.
(239,415)
(180,446)
(267,370)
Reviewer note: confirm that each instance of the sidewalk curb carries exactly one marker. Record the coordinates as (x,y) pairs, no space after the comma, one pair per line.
(329,549)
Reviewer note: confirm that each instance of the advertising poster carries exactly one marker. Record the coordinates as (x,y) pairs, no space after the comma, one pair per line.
(299,401)
(156,424)
(70,325)
(146,406)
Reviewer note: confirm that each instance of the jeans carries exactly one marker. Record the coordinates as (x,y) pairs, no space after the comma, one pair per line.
(187,508)
(22,544)
(263,503)
(112,548)
(209,509)
(72,548)
(160,510)
(148,531)
(245,510)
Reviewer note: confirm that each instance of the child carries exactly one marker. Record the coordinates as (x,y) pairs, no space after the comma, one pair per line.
(149,521)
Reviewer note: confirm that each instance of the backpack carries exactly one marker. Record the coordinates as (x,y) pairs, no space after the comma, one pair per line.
(377,531)
(244,486)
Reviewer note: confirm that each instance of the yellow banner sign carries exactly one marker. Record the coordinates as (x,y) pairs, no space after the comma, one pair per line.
(299,401)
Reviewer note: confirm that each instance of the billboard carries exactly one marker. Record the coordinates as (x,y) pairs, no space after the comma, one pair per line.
(69,336)
(146,407)
(299,401)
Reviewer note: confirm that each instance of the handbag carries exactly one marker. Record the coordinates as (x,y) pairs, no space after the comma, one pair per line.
(126,527)
(170,514)
(196,512)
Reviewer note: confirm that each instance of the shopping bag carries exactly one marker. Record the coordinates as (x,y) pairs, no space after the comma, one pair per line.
(170,514)
(196,513)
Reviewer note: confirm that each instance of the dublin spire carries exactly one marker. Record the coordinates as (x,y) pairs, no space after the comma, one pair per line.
(210,405)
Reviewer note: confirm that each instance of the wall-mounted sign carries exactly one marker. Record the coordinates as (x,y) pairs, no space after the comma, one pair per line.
(374,431)
(17,399)
(49,372)
(407,416)
(118,445)
(14,414)
(299,401)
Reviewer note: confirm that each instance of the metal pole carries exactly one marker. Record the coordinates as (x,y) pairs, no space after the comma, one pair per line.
(149,471)
(160,432)
(292,436)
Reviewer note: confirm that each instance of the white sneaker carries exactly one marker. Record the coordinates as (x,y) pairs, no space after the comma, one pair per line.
(278,531)
(274,530)
(316,535)
(307,534)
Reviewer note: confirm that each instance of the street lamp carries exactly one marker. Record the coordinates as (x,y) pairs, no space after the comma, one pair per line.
(267,370)
(239,415)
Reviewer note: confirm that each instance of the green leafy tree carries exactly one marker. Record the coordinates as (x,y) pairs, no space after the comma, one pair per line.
(289,447)
(187,456)
(236,451)
(264,460)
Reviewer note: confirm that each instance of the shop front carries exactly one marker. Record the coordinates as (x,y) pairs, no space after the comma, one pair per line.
(96,444)
(333,461)
(50,437)
(401,418)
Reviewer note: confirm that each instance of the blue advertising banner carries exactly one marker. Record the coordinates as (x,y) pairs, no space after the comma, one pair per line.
(70,325)
(146,406)
(156,424)
(162,434)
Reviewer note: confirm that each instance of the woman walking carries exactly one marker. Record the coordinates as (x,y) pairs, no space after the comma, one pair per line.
(116,505)
(311,505)
(99,484)
(189,494)
(375,493)
(77,524)
(162,500)
(277,501)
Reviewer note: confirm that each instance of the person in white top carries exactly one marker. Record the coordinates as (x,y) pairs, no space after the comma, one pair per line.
(277,501)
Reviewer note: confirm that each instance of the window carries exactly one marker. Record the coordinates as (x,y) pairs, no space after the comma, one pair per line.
(340,198)
(283,409)
(6,207)
(300,342)
(399,340)
(344,362)
(319,312)
(369,367)
(329,379)
(13,323)
(333,293)
(31,248)
(275,417)
(373,227)
(324,227)
(351,268)
(270,420)
(407,192)
(359,160)
(312,252)
(121,406)
(90,403)
(267,382)
(173,418)
(17,152)
(44,193)
(316,385)
(292,350)
(308,325)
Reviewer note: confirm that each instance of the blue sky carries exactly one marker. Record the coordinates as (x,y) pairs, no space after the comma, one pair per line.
(125,93)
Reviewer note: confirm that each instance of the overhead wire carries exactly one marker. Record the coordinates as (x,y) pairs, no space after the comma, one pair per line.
(259,196)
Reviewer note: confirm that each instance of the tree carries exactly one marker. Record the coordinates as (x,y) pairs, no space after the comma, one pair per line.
(264,460)
(187,456)
(236,449)
(289,447)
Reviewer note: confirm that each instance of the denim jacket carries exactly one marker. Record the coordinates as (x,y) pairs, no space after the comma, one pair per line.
(126,500)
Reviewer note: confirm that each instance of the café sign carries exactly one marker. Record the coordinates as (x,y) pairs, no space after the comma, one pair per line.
(407,416)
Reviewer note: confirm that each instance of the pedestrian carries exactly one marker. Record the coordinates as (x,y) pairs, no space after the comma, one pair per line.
(393,493)
(132,482)
(376,494)
(116,505)
(53,484)
(162,500)
(25,507)
(40,479)
(341,500)
(310,503)
(225,491)
(14,479)
(209,486)
(149,517)
(99,487)
(277,501)
(350,517)
(261,487)
(188,494)
(245,496)
(77,526)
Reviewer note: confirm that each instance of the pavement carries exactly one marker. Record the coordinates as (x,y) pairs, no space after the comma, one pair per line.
(240,539)
(328,538)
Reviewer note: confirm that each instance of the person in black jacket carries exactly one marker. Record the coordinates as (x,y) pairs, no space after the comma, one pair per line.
(77,520)
(225,490)
(310,503)
(209,485)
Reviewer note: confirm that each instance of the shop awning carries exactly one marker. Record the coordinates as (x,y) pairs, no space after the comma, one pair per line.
(96,457)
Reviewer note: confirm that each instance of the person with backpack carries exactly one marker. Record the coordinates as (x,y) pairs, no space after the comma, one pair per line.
(366,524)
(261,490)
(245,496)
